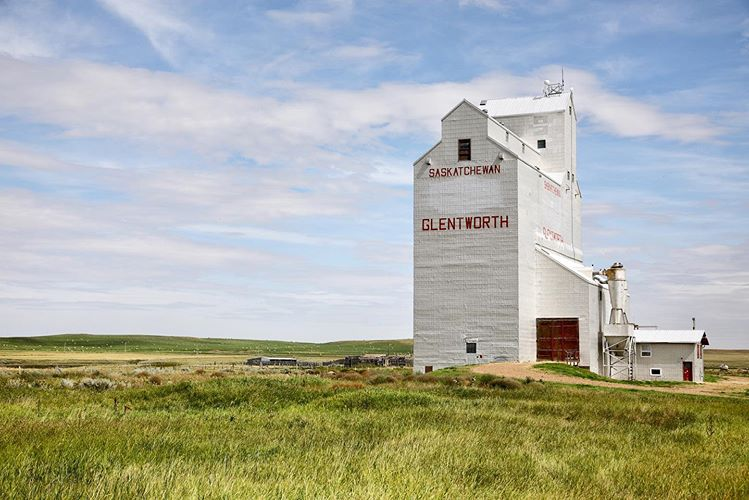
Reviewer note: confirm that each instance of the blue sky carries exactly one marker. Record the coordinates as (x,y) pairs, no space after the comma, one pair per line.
(243,169)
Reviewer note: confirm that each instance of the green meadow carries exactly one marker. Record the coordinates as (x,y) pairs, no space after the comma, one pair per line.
(184,432)
(75,343)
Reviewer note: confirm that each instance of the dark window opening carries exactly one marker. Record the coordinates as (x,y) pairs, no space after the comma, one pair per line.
(655,371)
(464,149)
(541,143)
(427,369)
(471,347)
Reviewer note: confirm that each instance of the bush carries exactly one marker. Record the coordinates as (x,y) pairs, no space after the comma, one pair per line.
(382,379)
(493,382)
(504,383)
(98,384)
(155,380)
(426,378)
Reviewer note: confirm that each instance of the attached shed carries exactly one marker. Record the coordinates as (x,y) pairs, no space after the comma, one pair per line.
(674,355)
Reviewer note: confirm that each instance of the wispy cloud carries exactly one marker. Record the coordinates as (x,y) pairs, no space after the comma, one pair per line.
(92,100)
(497,5)
(318,14)
(159,22)
(21,34)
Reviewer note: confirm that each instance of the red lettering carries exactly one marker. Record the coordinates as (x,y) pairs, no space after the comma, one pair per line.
(476,222)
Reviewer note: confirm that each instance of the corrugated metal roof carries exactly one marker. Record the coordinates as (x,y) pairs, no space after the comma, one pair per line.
(669,336)
(527,105)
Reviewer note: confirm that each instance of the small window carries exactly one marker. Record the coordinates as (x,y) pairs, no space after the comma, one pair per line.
(471,347)
(570,110)
(542,144)
(464,149)
(427,369)
(507,137)
(645,351)
(656,372)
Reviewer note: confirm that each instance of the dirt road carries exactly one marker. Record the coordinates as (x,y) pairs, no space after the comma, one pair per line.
(728,386)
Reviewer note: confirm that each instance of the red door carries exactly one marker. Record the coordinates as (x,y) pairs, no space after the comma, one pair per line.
(687,369)
(557,339)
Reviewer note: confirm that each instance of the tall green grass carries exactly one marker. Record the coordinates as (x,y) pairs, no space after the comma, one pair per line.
(337,435)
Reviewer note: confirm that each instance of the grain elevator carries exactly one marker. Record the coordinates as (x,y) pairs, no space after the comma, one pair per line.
(498,263)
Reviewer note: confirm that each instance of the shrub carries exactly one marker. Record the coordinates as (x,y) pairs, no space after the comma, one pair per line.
(504,383)
(425,378)
(155,380)
(98,384)
(382,379)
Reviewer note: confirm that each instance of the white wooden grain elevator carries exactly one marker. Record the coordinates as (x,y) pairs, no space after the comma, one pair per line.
(498,264)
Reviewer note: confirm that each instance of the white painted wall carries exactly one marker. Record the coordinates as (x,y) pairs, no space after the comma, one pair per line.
(562,294)
(669,358)
(465,282)
(484,285)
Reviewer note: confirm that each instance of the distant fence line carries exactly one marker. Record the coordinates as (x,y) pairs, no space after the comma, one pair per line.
(348,361)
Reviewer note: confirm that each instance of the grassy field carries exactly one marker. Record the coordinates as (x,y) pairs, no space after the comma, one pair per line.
(252,433)
(734,358)
(174,425)
(70,350)
(76,343)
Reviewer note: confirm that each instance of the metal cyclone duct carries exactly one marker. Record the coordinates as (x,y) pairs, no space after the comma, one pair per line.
(618,291)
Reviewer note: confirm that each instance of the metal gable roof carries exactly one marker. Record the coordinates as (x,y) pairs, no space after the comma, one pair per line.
(669,336)
(527,105)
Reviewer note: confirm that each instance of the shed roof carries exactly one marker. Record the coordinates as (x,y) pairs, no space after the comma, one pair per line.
(573,266)
(669,336)
(527,105)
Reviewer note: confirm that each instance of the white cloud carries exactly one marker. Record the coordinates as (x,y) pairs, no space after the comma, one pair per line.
(370,54)
(159,22)
(41,28)
(92,100)
(259,233)
(484,4)
(318,14)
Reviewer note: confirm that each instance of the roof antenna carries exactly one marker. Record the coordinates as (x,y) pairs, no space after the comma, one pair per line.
(553,88)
